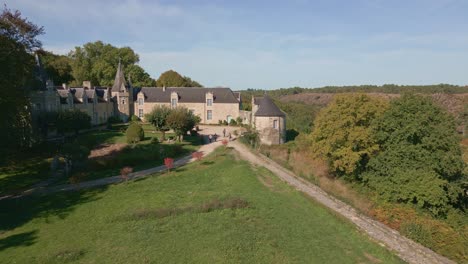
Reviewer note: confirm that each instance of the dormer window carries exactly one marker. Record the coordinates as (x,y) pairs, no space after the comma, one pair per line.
(209,102)
(173,102)
(140,101)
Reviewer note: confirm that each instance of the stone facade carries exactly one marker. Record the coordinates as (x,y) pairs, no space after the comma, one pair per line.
(210,104)
(269,121)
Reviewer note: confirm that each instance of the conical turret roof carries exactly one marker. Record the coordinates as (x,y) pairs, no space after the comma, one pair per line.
(119,81)
(266,107)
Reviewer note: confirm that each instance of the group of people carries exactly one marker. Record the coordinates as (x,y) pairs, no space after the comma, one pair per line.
(214,137)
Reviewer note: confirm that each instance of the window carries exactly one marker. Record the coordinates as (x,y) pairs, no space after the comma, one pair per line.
(209,102)
(173,102)
(275,123)
(192,111)
(140,101)
(140,113)
(209,115)
(123,101)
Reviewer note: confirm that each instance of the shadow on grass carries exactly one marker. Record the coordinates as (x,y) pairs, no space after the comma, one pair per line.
(16,212)
(18,240)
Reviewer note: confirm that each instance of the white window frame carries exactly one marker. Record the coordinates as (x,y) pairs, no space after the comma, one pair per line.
(275,124)
(140,101)
(140,113)
(173,102)
(209,102)
(209,114)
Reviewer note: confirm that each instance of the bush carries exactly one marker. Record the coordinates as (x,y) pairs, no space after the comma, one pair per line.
(154,140)
(220,122)
(134,118)
(114,120)
(225,122)
(239,120)
(72,120)
(233,122)
(135,133)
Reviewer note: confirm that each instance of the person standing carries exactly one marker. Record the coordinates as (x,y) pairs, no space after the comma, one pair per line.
(224,132)
(210,138)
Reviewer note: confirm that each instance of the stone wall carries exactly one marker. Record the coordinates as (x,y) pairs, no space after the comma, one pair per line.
(267,133)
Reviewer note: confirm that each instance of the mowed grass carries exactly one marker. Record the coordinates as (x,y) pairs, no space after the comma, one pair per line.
(218,210)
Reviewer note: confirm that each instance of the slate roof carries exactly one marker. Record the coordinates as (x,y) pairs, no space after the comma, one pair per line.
(266,107)
(119,79)
(188,94)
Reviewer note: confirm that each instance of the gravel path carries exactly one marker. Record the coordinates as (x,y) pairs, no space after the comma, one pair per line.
(405,248)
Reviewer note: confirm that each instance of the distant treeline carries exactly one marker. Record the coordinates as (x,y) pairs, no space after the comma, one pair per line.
(386,88)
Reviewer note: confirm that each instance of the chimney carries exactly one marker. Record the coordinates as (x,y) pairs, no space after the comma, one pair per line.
(87,84)
(65,86)
(164,88)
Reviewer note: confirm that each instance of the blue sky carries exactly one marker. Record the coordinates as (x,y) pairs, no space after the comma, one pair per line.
(271,44)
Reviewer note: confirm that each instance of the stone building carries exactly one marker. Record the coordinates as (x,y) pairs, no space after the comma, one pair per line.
(123,100)
(210,104)
(268,120)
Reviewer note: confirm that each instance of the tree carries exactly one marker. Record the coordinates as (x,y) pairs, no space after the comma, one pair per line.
(72,121)
(158,118)
(57,67)
(135,133)
(139,76)
(181,120)
(18,40)
(172,78)
(343,134)
(97,61)
(420,160)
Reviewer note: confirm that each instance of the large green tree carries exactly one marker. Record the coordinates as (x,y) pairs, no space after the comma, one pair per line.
(158,118)
(18,40)
(172,78)
(343,134)
(181,120)
(420,160)
(97,62)
(57,67)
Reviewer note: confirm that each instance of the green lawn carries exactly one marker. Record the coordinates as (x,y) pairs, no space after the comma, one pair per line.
(219,210)
(26,169)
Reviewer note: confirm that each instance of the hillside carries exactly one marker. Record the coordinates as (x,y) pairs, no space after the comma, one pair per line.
(454,103)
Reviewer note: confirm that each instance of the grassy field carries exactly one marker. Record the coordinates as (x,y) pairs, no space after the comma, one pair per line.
(218,210)
(26,169)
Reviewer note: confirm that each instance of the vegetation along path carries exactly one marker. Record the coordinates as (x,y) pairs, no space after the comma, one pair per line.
(405,248)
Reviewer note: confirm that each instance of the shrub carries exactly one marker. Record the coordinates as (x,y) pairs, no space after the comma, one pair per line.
(72,121)
(220,122)
(134,118)
(239,120)
(125,171)
(114,120)
(154,140)
(135,133)
(225,122)
(233,122)
(235,133)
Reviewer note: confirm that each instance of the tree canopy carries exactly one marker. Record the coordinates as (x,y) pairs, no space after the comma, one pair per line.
(97,62)
(172,78)
(18,39)
(181,120)
(57,67)
(158,118)
(420,159)
(343,133)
